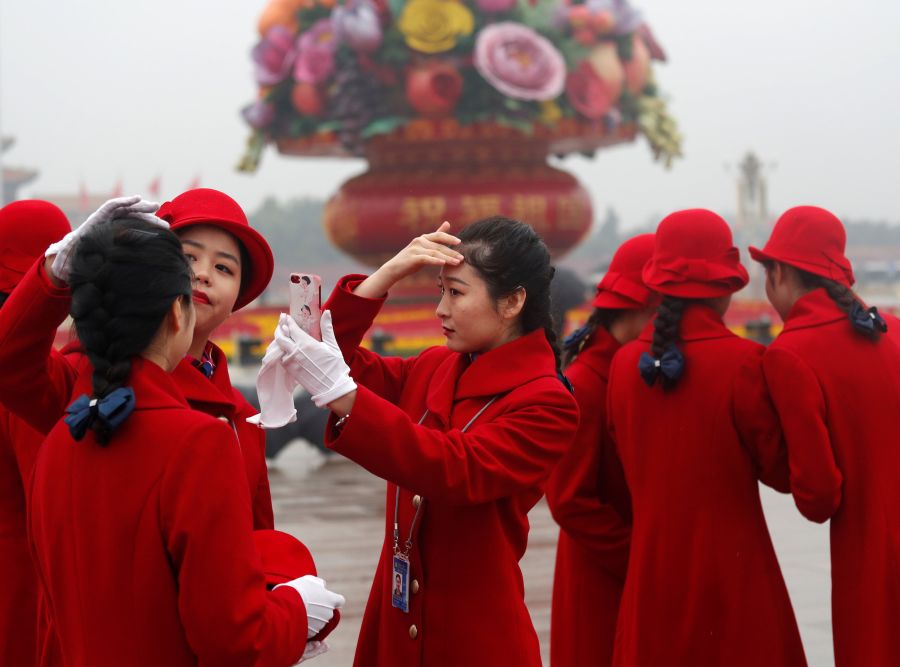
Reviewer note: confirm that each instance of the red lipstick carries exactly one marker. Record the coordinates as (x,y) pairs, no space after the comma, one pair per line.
(200,297)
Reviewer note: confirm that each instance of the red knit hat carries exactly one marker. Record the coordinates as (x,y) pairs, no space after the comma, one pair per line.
(695,257)
(205,206)
(284,557)
(812,239)
(622,286)
(26,229)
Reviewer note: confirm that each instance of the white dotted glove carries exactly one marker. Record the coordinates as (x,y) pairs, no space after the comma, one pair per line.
(317,366)
(121,207)
(319,601)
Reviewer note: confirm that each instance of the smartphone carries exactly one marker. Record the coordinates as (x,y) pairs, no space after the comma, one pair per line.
(306,302)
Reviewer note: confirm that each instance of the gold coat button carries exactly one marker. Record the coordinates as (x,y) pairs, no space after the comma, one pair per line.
(414,586)
(413,632)
(417,500)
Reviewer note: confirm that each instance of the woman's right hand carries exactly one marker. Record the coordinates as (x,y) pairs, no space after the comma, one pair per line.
(59,254)
(434,249)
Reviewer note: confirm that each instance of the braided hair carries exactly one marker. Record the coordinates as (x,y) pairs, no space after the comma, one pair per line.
(600,318)
(510,255)
(666,331)
(843,297)
(124,277)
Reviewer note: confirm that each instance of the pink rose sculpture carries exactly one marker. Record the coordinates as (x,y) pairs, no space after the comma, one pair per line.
(315,57)
(273,56)
(519,62)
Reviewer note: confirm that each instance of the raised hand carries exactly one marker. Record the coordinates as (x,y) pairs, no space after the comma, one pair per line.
(59,253)
(434,249)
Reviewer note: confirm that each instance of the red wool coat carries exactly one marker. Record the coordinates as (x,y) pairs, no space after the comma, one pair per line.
(838,396)
(19,445)
(145,547)
(703,586)
(37,387)
(467,595)
(589,499)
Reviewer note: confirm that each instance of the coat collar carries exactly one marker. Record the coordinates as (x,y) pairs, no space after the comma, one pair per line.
(154,388)
(699,322)
(494,372)
(597,354)
(215,392)
(813,309)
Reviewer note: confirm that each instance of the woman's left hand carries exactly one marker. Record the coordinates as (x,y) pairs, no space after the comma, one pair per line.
(317,366)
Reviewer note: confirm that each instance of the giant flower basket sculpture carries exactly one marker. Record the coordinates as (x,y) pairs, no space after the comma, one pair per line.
(456,104)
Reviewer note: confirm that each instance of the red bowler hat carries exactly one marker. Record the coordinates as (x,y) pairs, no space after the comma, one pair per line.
(694,257)
(27,227)
(205,206)
(622,286)
(284,557)
(812,239)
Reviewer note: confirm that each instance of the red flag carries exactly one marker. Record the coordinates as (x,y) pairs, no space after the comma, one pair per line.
(195,183)
(117,190)
(154,187)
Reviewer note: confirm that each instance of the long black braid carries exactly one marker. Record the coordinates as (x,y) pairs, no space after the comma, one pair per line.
(843,297)
(124,277)
(600,318)
(666,331)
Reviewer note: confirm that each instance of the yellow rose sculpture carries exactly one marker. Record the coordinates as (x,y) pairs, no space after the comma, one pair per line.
(433,26)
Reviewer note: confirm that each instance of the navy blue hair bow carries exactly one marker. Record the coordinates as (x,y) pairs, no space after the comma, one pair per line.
(866,320)
(577,336)
(670,364)
(111,410)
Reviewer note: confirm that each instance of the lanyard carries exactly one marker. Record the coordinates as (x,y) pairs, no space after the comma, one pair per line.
(408,544)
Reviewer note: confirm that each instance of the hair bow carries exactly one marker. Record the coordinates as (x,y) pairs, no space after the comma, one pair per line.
(670,364)
(577,336)
(111,410)
(867,320)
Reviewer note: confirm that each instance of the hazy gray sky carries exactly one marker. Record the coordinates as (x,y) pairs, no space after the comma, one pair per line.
(98,91)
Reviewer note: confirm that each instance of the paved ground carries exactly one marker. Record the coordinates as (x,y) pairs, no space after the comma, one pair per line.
(337,509)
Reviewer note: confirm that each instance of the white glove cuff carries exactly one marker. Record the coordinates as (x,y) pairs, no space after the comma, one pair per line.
(343,387)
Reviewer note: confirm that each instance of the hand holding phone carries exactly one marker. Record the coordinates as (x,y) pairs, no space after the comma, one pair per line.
(306,302)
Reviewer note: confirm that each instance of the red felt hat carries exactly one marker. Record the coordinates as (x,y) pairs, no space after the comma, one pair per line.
(205,206)
(284,557)
(812,239)
(694,257)
(623,286)
(27,227)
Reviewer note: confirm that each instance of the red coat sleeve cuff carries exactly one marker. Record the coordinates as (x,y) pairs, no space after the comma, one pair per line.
(351,315)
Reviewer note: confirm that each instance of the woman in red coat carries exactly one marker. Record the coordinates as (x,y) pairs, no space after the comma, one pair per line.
(695,430)
(834,375)
(465,435)
(140,531)
(233,264)
(587,493)
(26,229)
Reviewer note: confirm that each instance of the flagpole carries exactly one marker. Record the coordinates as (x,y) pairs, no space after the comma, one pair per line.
(2,179)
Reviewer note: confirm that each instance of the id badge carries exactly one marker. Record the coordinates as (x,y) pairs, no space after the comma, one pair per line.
(400,583)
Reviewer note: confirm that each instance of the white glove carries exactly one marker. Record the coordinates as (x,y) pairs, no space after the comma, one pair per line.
(121,207)
(317,366)
(275,390)
(319,601)
(313,650)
